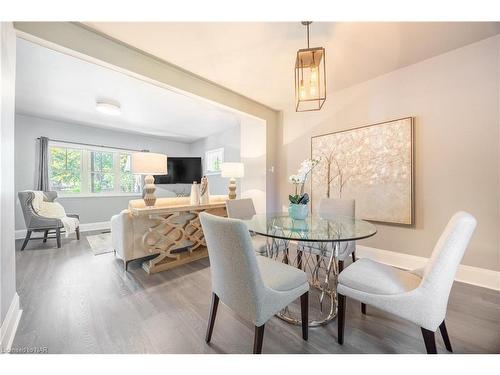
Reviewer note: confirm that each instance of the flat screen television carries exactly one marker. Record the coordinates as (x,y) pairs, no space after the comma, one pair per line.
(181,171)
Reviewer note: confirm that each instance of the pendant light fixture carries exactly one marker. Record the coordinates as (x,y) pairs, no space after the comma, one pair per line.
(310,77)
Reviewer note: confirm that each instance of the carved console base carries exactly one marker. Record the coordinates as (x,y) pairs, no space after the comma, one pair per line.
(176,234)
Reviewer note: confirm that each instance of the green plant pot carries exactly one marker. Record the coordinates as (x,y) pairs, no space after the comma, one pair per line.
(298,211)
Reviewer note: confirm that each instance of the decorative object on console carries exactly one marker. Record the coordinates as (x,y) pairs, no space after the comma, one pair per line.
(204,193)
(195,194)
(298,207)
(149,164)
(232,171)
(310,77)
(372,164)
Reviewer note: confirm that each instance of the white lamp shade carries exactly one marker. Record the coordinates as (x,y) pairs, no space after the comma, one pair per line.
(149,163)
(233,170)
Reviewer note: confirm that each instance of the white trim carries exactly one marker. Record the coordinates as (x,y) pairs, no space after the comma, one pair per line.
(467,274)
(10,324)
(84,227)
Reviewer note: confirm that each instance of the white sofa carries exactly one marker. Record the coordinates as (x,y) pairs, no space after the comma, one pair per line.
(127,230)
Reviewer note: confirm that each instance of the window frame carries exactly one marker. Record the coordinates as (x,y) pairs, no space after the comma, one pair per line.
(86,170)
(220,151)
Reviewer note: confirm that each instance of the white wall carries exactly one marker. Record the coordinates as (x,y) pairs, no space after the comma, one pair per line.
(91,209)
(7,249)
(455,100)
(230,141)
(132,61)
(253,155)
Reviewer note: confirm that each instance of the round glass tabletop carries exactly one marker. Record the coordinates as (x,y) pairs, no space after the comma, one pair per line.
(314,228)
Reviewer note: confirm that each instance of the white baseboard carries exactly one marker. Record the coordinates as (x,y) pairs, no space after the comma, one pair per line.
(467,274)
(84,227)
(9,325)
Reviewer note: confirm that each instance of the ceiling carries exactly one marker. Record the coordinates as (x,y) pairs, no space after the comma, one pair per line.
(54,85)
(257,59)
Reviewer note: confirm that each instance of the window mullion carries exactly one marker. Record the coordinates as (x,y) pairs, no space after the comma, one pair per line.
(85,179)
(116,170)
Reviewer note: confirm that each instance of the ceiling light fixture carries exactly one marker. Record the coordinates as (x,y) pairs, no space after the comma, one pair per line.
(310,77)
(108,108)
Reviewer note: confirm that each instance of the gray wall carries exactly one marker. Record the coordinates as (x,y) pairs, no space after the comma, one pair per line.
(230,141)
(454,98)
(96,46)
(91,209)
(7,88)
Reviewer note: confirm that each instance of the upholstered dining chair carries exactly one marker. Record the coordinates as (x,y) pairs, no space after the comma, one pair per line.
(244,209)
(255,287)
(330,208)
(37,223)
(420,296)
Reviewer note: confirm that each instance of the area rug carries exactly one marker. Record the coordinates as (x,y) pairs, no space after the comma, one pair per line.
(100,243)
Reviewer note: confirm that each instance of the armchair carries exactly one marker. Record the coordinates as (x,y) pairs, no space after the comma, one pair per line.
(37,223)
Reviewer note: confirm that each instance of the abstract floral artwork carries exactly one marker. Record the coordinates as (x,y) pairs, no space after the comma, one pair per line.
(371,164)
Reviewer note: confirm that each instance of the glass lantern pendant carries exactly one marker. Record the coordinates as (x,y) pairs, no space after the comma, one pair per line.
(310,77)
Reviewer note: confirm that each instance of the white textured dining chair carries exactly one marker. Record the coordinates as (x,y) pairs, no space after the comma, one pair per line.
(255,287)
(420,296)
(244,209)
(330,208)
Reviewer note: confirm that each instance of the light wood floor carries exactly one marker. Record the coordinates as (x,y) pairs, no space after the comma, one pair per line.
(75,302)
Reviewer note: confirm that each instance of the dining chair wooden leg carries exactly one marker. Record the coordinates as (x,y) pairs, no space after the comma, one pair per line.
(341,266)
(58,237)
(258,339)
(363,308)
(340,318)
(77,230)
(211,318)
(429,340)
(446,338)
(353,254)
(304,311)
(26,239)
(45,235)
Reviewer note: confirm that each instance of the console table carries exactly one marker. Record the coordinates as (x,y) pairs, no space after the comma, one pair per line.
(176,234)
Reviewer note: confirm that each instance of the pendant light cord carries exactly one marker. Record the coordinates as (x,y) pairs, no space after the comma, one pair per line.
(308,36)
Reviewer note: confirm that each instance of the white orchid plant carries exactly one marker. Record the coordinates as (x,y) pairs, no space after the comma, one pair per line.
(299,180)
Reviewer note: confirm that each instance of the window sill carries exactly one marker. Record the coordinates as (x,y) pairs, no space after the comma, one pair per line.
(110,195)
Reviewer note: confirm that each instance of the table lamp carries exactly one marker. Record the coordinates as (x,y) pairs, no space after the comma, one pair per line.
(149,164)
(232,171)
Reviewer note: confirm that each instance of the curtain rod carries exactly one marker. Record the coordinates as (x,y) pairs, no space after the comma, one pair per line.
(93,145)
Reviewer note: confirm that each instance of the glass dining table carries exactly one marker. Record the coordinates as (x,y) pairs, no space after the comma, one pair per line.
(317,241)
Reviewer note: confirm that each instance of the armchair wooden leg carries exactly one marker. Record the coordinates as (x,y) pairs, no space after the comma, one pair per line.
(211,318)
(26,239)
(429,340)
(77,230)
(58,237)
(258,339)
(304,311)
(45,235)
(340,318)
(446,339)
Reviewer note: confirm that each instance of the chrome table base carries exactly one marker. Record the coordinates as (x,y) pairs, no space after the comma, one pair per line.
(319,261)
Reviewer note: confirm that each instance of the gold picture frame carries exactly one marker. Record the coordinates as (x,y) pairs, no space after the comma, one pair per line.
(373,164)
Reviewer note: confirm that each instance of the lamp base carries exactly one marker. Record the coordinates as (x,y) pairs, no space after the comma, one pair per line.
(149,191)
(232,188)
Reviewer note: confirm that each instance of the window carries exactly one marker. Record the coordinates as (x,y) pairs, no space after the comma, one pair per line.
(214,160)
(101,172)
(65,169)
(75,169)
